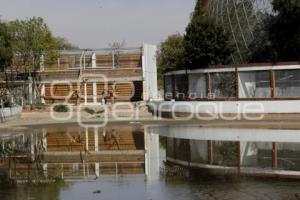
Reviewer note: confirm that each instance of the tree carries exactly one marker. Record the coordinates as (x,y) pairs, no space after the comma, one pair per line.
(32,38)
(206,43)
(261,48)
(285,29)
(6,53)
(170,54)
(201,8)
(64,44)
(32,43)
(279,38)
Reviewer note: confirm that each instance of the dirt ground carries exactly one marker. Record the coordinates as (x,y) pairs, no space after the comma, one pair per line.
(140,115)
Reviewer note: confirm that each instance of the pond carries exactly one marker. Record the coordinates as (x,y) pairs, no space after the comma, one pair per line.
(122,161)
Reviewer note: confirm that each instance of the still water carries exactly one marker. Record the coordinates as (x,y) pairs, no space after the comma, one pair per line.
(125,162)
(136,188)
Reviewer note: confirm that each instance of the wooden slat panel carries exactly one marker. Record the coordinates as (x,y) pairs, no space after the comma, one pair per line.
(123,138)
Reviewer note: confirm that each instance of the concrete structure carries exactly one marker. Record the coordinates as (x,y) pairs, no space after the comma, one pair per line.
(237,89)
(89,76)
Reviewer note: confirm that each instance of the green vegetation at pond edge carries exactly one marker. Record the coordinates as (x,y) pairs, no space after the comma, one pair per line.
(61,108)
(38,106)
(92,111)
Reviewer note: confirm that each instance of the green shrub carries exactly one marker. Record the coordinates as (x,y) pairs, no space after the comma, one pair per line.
(93,112)
(38,106)
(90,111)
(61,108)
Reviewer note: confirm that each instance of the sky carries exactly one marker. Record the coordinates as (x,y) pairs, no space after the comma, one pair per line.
(97,23)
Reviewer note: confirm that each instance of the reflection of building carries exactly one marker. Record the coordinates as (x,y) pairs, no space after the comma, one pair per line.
(223,150)
(86,75)
(88,152)
(268,88)
(74,152)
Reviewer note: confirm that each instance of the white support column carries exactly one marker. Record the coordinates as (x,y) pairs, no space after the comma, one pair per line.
(32,147)
(151,154)
(94,92)
(43,92)
(30,94)
(45,147)
(44,139)
(94,60)
(87,139)
(149,72)
(96,138)
(85,93)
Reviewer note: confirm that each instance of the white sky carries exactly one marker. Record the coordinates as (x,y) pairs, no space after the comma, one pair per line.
(96,23)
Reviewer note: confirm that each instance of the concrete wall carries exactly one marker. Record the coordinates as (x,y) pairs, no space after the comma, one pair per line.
(150,72)
(228,107)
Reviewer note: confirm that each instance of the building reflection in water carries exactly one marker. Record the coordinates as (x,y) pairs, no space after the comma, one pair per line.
(265,152)
(71,152)
(77,153)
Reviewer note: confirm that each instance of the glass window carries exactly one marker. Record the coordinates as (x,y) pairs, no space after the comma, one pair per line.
(168,87)
(287,83)
(199,151)
(225,153)
(182,149)
(288,156)
(223,84)
(180,86)
(197,86)
(254,84)
(256,154)
(170,148)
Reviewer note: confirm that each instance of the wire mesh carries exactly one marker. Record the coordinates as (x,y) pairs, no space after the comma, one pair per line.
(240,18)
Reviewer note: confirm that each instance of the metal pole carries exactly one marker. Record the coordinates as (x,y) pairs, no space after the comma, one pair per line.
(113,58)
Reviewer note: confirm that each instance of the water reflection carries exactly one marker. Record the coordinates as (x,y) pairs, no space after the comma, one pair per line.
(263,152)
(122,161)
(73,152)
